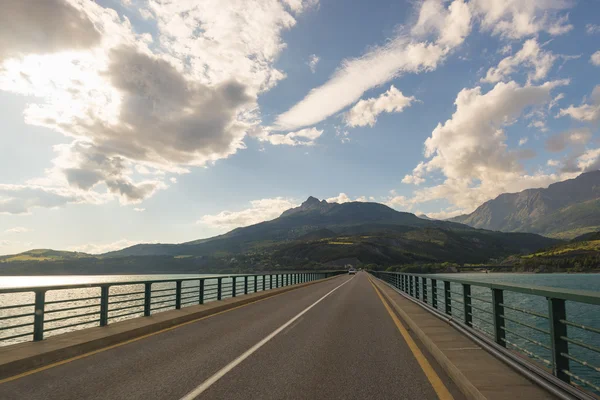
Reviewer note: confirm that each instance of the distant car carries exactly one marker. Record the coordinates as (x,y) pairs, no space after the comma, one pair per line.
(351,271)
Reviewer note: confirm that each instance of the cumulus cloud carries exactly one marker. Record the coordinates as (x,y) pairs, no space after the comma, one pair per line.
(259,211)
(344,198)
(470,149)
(561,141)
(21,199)
(39,27)
(589,160)
(451,24)
(313,60)
(531,55)
(18,229)
(303,137)
(133,102)
(595,58)
(523,140)
(365,112)
(592,29)
(516,19)
(587,112)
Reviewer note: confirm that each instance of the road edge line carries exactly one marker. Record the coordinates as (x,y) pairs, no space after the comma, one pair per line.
(465,386)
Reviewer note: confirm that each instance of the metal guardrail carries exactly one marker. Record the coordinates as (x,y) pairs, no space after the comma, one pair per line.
(86,305)
(528,319)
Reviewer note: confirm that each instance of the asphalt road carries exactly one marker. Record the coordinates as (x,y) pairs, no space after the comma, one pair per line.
(345,346)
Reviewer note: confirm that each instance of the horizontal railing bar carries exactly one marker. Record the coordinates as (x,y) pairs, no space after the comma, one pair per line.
(126,294)
(72,300)
(162,290)
(17,306)
(163,302)
(56,328)
(457,301)
(584,327)
(163,295)
(582,296)
(480,299)
(70,309)
(125,301)
(16,316)
(16,326)
(588,383)
(529,353)
(581,362)
(187,290)
(71,316)
(190,302)
(535,328)
(481,319)
(481,309)
(15,336)
(524,311)
(456,293)
(127,314)
(194,296)
(505,329)
(126,307)
(581,344)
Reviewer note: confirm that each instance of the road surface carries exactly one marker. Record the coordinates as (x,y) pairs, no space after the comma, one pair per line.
(331,340)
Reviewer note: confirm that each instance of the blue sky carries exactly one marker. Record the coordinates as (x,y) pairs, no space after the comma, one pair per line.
(127,121)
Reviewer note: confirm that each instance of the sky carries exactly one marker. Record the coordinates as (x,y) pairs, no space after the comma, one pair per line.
(129,121)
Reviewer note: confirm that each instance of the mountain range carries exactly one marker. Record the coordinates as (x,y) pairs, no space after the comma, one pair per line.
(563,210)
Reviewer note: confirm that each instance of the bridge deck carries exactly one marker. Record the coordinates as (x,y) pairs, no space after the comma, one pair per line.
(345,347)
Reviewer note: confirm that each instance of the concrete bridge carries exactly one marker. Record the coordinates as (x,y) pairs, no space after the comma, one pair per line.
(342,337)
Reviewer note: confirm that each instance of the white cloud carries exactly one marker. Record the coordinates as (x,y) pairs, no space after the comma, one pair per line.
(402,54)
(530,55)
(344,198)
(186,97)
(589,160)
(313,60)
(94,248)
(516,19)
(173,179)
(22,199)
(365,112)
(470,148)
(589,112)
(592,29)
(523,140)
(563,140)
(553,163)
(18,229)
(303,137)
(451,24)
(595,58)
(259,211)
(137,209)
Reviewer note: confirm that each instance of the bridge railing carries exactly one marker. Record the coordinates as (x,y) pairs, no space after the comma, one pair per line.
(557,329)
(32,313)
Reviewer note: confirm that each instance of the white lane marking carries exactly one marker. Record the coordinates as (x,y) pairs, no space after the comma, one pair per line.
(223,371)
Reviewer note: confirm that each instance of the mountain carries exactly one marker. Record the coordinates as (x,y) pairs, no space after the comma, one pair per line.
(563,210)
(317,234)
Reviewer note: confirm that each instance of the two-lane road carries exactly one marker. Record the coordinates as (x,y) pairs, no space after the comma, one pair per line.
(330,340)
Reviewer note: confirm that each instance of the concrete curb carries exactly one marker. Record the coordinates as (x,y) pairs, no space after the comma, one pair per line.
(465,386)
(23,357)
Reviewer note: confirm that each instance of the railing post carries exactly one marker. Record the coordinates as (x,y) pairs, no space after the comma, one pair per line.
(447,298)
(410,285)
(255,283)
(467,303)
(417,287)
(147,298)
(233,287)
(201,292)
(270,281)
(245,284)
(104,305)
(38,318)
(219,286)
(178,295)
(434,293)
(264,278)
(424,289)
(498,314)
(557,312)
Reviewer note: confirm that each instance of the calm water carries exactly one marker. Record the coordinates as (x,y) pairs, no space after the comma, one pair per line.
(129,296)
